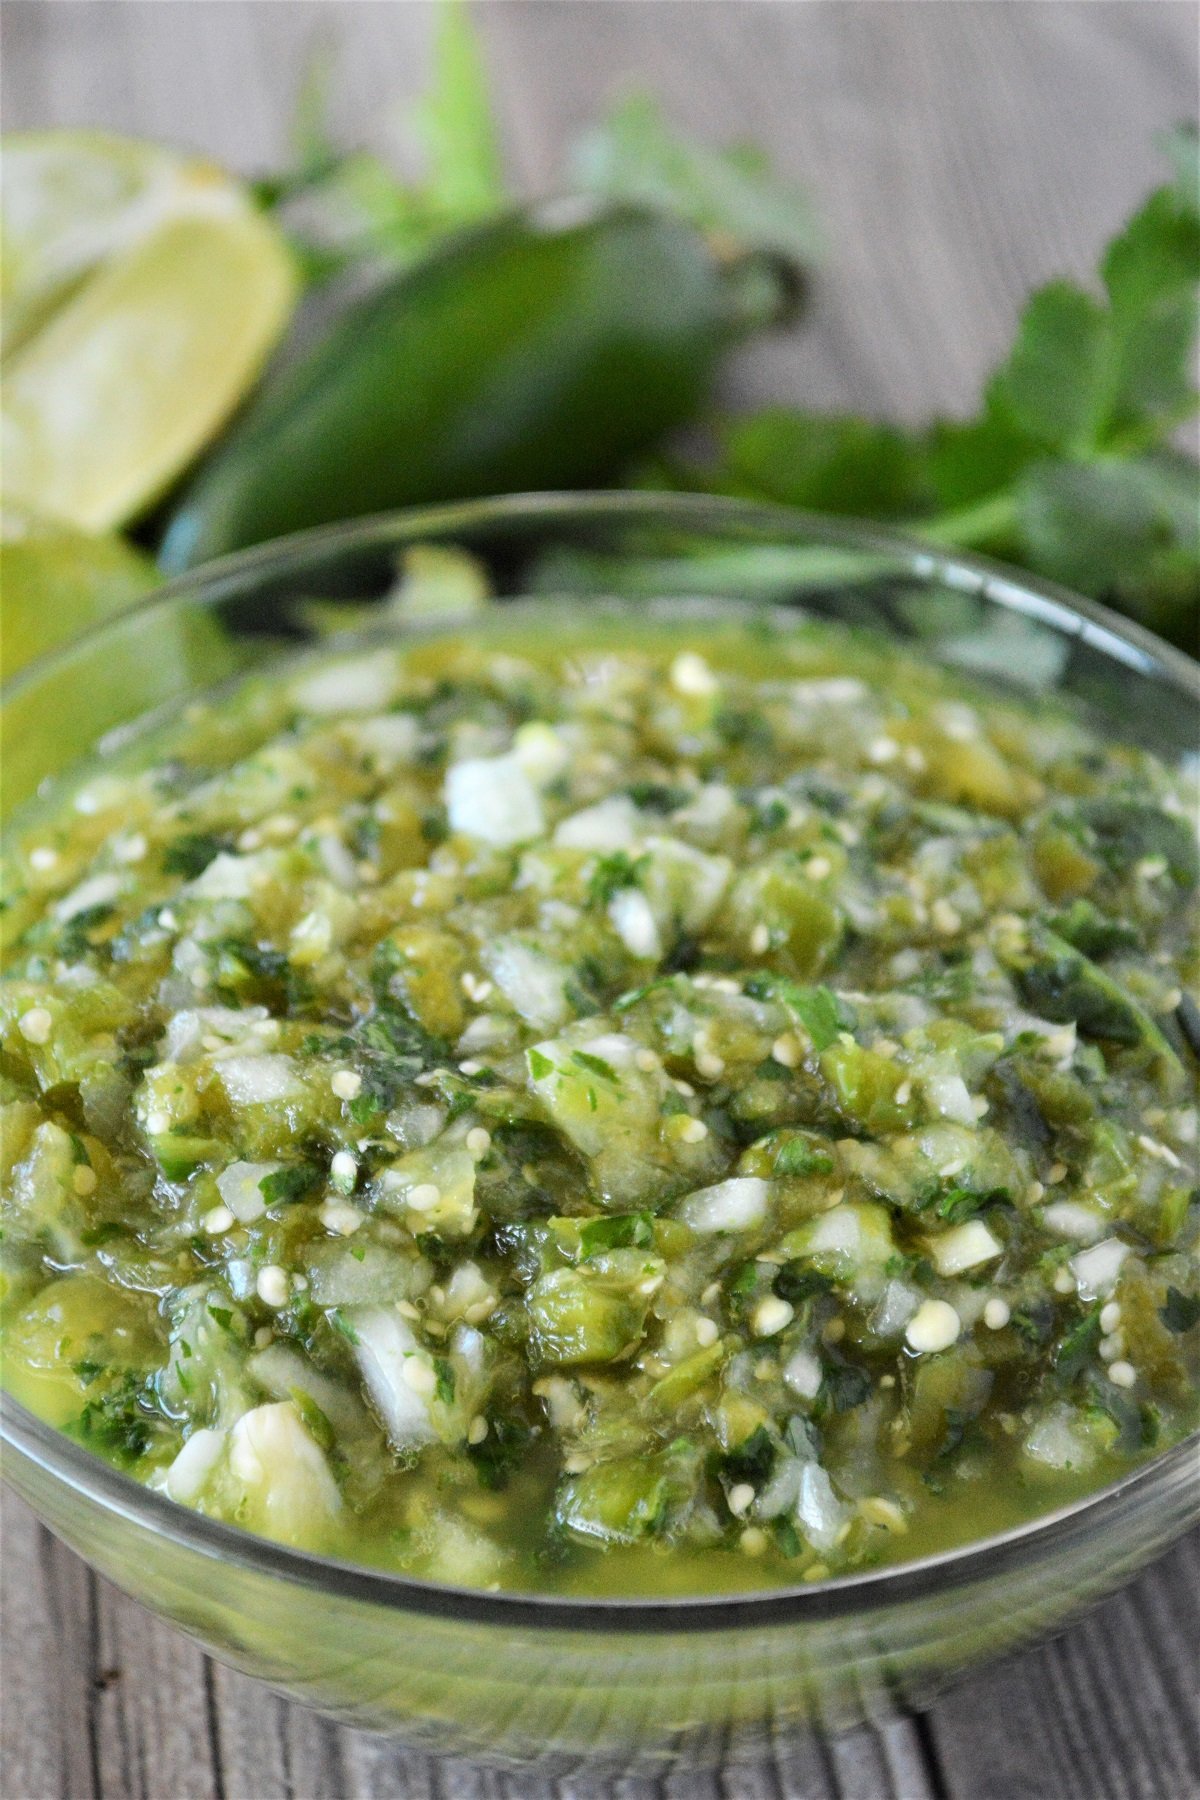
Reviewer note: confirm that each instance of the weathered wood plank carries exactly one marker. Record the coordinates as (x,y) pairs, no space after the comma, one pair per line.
(149,1717)
(47,1664)
(1109,1711)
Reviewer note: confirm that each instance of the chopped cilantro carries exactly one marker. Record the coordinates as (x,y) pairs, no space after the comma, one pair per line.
(118,1422)
(817,1008)
(798,1155)
(799,1281)
(1078,1346)
(191,852)
(752,1460)
(844,1385)
(617,1232)
(958,1204)
(75,937)
(499,1453)
(1181,1312)
(611,874)
(289,1183)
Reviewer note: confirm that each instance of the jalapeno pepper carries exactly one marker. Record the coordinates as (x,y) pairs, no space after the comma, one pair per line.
(532,352)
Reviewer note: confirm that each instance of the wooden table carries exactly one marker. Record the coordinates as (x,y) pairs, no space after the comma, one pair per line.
(959,154)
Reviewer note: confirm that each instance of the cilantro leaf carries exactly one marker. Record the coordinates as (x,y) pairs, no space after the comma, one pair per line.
(346,208)
(1126,530)
(959,1204)
(825,463)
(501,1450)
(798,1281)
(455,124)
(620,1231)
(844,1385)
(752,1460)
(1057,383)
(798,1155)
(289,1183)
(611,874)
(1181,1312)
(817,1008)
(595,1065)
(1079,1345)
(118,1422)
(1149,271)
(191,852)
(971,459)
(635,156)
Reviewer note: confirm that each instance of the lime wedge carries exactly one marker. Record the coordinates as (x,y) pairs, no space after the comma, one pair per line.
(56,581)
(142,291)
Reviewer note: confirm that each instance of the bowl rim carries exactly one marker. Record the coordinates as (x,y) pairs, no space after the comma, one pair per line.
(1120,638)
(33,1440)
(840,1596)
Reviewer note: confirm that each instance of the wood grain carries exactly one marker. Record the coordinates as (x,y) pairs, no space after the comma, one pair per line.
(958,155)
(101,1702)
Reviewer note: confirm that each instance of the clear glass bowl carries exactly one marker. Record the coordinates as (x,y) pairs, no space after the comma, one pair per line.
(625,1685)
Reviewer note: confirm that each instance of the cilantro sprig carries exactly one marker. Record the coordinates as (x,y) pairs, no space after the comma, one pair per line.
(344,208)
(1069,466)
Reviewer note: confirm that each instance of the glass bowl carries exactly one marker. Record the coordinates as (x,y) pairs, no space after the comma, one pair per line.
(625,1685)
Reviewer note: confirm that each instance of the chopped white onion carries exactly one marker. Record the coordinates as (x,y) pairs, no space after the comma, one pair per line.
(1096,1270)
(838,1230)
(492,798)
(193,1465)
(361,684)
(802,1373)
(392,737)
(98,890)
(735,1205)
(963,1247)
(186,1030)
(240,1189)
(1067,1219)
(1057,1442)
(530,980)
(634,923)
(609,825)
(384,1343)
(897,1304)
(949,1097)
(819,1512)
(255,1080)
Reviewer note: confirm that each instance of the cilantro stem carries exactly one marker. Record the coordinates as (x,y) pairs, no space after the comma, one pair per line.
(969,526)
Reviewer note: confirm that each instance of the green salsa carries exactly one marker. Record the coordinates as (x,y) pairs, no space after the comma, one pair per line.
(648,1104)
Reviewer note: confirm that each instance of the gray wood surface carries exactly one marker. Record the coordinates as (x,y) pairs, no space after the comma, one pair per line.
(959,154)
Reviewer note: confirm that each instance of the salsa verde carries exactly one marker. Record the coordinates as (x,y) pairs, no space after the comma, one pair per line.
(617,1104)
